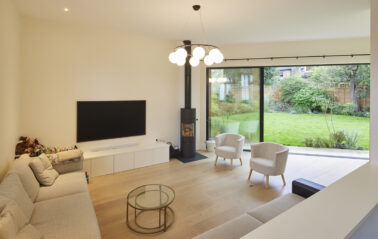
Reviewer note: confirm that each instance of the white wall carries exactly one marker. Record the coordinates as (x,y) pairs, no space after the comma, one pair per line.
(63,63)
(9,82)
(297,48)
(374,83)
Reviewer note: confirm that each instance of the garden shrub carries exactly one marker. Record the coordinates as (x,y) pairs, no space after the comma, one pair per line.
(290,86)
(312,98)
(337,108)
(351,140)
(308,142)
(337,138)
(244,108)
(278,106)
(300,109)
(349,109)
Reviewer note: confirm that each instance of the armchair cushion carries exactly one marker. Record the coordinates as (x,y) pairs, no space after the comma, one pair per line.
(226,151)
(262,165)
(229,145)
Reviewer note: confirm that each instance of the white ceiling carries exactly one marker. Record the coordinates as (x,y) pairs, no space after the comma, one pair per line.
(225,21)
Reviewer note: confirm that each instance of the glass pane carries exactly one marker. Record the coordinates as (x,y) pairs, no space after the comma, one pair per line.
(234,103)
(318,106)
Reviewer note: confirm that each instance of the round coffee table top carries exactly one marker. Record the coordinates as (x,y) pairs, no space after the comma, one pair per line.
(151,196)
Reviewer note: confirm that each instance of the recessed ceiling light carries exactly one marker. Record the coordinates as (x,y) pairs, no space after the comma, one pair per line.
(66,9)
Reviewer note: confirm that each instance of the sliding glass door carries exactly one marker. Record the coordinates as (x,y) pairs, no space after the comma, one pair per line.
(324,106)
(234,102)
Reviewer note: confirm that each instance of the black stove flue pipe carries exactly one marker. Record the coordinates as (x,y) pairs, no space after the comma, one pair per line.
(188,76)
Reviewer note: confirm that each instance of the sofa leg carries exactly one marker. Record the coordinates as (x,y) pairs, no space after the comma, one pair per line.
(216,159)
(231,163)
(241,162)
(267,181)
(250,174)
(283,179)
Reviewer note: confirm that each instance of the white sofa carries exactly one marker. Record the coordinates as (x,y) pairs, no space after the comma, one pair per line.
(63,210)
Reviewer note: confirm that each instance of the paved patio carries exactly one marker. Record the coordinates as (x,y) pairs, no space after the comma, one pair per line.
(326,152)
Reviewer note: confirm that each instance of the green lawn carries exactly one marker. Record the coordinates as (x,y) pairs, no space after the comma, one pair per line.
(291,129)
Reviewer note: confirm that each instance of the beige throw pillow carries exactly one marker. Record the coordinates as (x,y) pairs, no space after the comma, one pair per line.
(43,170)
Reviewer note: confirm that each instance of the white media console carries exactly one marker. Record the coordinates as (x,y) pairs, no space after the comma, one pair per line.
(118,159)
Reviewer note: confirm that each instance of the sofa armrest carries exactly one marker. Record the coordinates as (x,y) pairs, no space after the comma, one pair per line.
(69,166)
(305,188)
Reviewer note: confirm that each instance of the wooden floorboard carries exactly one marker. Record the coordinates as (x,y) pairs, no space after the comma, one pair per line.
(206,196)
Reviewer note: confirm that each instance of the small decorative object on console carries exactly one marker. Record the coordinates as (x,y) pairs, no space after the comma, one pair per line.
(29,146)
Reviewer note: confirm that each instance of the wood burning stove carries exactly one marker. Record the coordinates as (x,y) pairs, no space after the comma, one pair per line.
(188,132)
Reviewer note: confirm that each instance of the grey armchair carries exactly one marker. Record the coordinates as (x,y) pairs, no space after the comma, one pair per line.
(269,159)
(229,146)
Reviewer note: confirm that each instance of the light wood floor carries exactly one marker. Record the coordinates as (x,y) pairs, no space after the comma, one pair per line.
(206,196)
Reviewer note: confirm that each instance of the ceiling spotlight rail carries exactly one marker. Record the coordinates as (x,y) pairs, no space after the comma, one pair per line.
(294,57)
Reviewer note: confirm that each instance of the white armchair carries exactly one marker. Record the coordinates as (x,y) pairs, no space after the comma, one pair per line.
(269,159)
(229,146)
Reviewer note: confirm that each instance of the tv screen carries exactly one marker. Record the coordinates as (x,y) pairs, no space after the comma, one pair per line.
(110,119)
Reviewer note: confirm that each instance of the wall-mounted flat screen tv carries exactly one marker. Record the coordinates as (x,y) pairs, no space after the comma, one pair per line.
(98,120)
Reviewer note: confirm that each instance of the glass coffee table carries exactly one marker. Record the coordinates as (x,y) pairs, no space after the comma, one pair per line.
(147,208)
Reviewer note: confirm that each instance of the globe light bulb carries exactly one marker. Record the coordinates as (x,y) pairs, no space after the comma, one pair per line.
(181,53)
(208,60)
(218,58)
(214,52)
(172,57)
(199,52)
(180,61)
(194,61)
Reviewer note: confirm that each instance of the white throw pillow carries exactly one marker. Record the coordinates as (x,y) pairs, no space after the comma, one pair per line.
(29,232)
(12,188)
(43,170)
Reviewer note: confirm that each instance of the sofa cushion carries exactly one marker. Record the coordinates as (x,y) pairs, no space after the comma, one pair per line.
(3,202)
(65,184)
(26,175)
(29,232)
(233,229)
(8,227)
(12,188)
(65,217)
(43,170)
(16,213)
(275,207)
